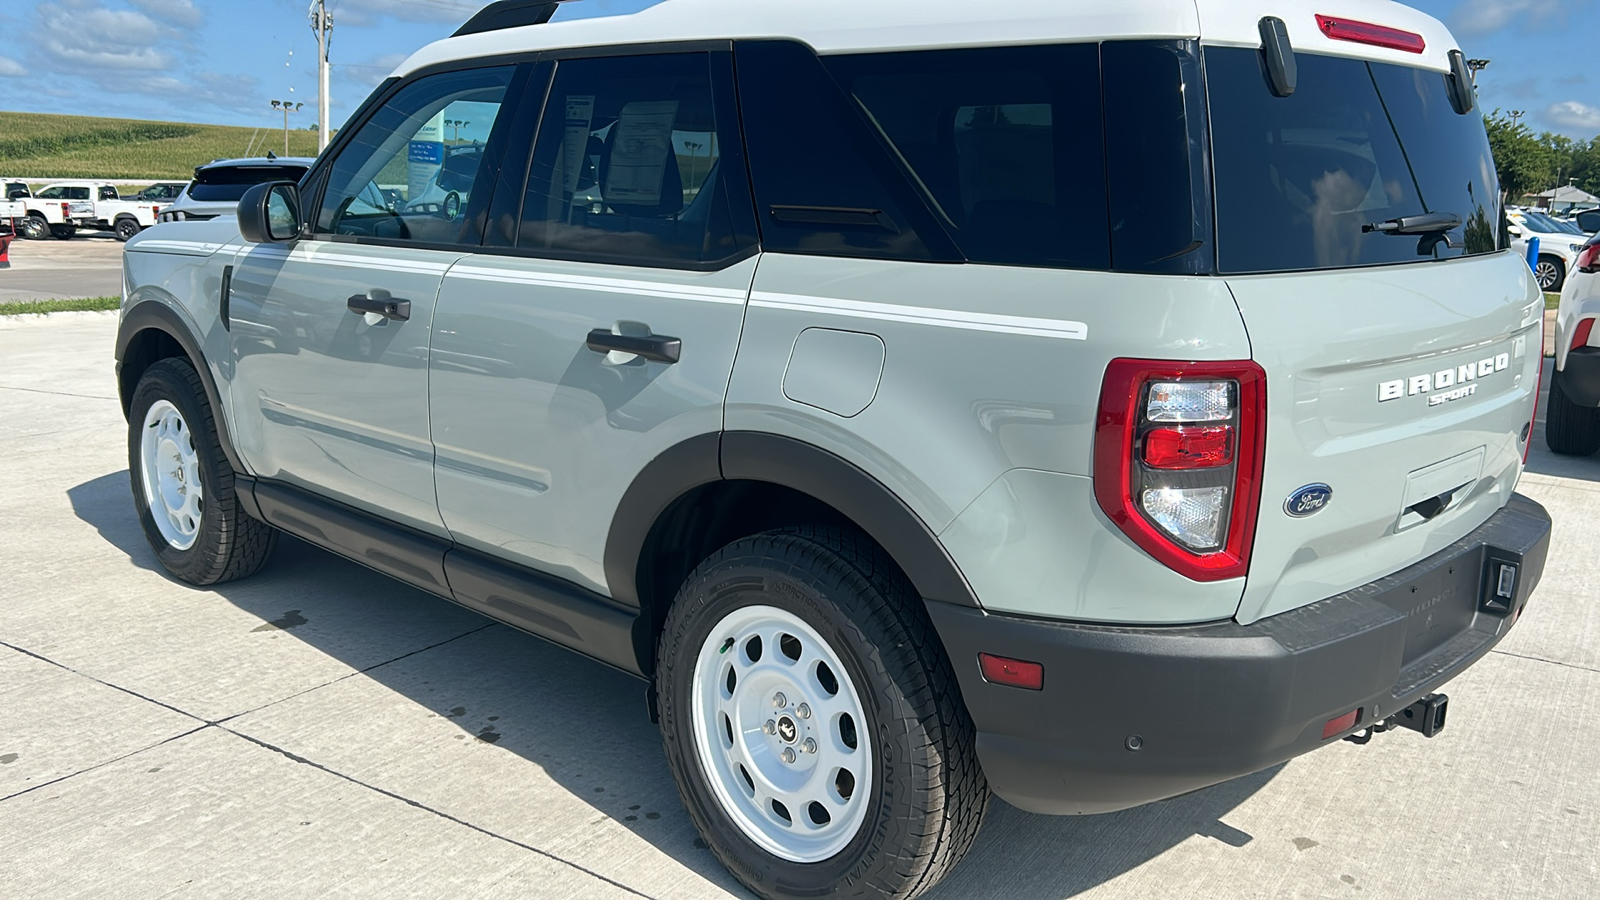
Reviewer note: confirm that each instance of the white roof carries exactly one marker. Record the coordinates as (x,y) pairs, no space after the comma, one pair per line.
(848,26)
(1568,194)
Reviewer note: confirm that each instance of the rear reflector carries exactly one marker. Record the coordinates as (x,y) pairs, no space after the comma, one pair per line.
(1011,672)
(1580,335)
(1368,33)
(1189,448)
(1343,723)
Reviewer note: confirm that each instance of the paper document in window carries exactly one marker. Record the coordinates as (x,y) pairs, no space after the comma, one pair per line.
(580,117)
(640,153)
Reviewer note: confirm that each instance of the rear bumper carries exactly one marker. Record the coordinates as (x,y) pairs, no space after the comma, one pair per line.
(1204,704)
(1580,377)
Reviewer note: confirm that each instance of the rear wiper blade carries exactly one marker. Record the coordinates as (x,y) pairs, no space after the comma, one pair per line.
(1427,223)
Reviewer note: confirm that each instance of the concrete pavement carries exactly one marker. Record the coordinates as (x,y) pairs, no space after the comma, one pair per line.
(89,265)
(319,730)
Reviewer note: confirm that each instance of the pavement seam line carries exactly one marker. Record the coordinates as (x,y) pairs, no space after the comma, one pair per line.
(7,387)
(440,813)
(348,675)
(108,762)
(116,687)
(1553,662)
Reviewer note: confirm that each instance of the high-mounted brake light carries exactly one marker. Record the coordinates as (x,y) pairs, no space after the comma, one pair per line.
(1177,460)
(1368,33)
(1580,335)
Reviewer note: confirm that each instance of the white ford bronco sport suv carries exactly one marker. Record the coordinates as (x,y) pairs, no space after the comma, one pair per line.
(1084,403)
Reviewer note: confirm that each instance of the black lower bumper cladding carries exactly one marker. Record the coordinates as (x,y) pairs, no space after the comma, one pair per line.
(1129,715)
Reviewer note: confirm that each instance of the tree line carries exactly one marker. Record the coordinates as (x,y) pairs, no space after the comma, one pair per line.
(1530,163)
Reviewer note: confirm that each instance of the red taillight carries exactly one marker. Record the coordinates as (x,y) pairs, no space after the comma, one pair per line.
(1177,460)
(1580,335)
(1589,258)
(66,210)
(1011,672)
(1189,448)
(1342,723)
(1368,33)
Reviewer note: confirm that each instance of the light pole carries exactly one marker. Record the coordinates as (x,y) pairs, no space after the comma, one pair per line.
(287,106)
(322,24)
(1474,66)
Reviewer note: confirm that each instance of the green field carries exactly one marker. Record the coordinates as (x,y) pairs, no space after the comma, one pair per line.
(35,145)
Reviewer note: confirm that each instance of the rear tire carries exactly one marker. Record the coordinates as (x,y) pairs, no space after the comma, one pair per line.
(183,488)
(125,229)
(878,789)
(1570,429)
(64,232)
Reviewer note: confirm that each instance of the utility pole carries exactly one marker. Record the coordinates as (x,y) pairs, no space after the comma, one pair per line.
(322,24)
(288,106)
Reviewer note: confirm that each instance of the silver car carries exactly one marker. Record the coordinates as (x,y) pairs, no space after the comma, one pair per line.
(218,185)
(1077,403)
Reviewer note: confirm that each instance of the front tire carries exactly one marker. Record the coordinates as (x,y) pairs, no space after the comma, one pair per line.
(1550,273)
(812,722)
(35,228)
(183,489)
(1570,429)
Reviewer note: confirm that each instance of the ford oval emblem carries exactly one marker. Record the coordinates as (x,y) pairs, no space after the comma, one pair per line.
(1308,501)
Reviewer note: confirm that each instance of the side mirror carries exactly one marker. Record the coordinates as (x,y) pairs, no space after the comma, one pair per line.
(270,213)
(1515,230)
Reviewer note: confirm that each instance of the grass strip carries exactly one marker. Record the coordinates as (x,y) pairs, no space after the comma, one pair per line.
(26,307)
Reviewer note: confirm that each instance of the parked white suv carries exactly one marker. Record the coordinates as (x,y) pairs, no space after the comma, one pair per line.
(218,185)
(1572,416)
(1084,403)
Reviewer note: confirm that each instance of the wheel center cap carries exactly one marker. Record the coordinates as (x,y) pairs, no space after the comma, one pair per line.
(787,731)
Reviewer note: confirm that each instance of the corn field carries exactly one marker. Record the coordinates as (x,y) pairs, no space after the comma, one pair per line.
(34,146)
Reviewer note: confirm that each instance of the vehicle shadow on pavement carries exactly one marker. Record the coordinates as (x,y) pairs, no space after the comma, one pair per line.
(583,727)
(1541,460)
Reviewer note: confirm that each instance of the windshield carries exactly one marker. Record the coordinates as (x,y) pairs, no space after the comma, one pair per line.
(227,184)
(1301,181)
(1545,225)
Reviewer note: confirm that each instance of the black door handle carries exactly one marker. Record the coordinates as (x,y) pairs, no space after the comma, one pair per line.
(654,347)
(379,301)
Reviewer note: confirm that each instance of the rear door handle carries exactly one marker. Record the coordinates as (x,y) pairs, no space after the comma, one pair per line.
(654,347)
(379,301)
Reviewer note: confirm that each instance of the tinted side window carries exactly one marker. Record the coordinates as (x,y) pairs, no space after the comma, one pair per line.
(823,183)
(628,166)
(410,171)
(1005,143)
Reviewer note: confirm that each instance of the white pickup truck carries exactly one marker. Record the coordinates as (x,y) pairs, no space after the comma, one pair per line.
(12,210)
(55,209)
(110,212)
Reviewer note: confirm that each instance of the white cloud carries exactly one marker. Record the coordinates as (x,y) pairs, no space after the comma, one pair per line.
(181,13)
(368,12)
(1574,115)
(1485,16)
(10,67)
(82,34)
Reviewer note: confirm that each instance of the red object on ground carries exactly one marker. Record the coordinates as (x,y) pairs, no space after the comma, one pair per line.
(5,250)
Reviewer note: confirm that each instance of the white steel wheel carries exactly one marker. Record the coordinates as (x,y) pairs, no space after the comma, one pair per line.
(171,472)
(781,734)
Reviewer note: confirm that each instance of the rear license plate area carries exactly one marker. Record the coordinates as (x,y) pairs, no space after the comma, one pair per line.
(1437,604)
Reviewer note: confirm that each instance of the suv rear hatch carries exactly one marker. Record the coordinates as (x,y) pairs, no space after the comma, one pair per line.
(1401,361)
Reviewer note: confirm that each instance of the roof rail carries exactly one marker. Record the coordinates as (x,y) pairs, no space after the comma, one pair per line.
(509,14)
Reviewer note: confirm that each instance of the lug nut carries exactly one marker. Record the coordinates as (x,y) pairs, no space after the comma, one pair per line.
(811,745)
(779,700)
(788,754)
(771,727)
(804,711)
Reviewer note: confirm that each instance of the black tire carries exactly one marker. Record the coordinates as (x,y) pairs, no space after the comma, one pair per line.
(1551,273)
(125,229)
(229,544)
(64,232)
(35,228)
(923,817)
(1570,429)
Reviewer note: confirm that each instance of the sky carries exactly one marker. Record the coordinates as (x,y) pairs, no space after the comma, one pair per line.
(225,61)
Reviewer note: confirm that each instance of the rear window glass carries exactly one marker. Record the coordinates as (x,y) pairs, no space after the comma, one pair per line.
(227,184)
(1300,180)
(1006,144)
